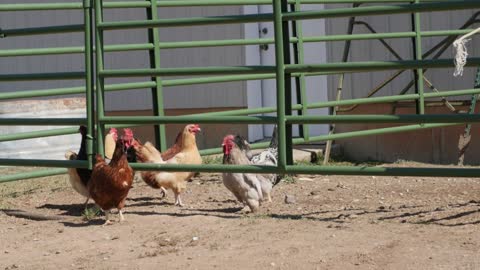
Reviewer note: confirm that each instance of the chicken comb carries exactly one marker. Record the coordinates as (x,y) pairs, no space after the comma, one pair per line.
(113,131)
(128,133)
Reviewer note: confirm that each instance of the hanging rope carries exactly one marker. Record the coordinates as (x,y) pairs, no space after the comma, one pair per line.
(461,52)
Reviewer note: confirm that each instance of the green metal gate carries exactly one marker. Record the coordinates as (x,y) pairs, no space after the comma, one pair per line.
(283,72)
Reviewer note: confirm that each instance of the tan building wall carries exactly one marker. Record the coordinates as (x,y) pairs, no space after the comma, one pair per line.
(439,146)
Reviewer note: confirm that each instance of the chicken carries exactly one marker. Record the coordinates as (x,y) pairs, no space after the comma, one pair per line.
(268,157)
(79,177)
(184,151)
(245,186)
(110,183)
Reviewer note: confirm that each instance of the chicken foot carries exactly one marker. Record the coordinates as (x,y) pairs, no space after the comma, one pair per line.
(164,192)
(107,217)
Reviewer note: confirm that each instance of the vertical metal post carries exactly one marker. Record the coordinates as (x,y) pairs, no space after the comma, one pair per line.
(280,83)
(157,91)
(87,17)
(346,52)
(417,52)
(300,82)
(100,81)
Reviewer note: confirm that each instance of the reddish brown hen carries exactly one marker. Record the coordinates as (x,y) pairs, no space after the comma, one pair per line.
(111,182)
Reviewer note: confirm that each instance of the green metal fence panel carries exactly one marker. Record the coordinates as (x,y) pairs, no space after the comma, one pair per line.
(282,71)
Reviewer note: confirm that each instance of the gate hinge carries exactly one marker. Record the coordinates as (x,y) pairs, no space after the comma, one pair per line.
(2,35)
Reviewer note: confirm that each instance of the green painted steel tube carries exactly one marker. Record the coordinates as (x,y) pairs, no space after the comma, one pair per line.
(343,135)
(42,6)
(44,163)
(384,171)
(177,22)
(37,134)
(42,76)
(100,81)
(300,15)
(42,51)
(42,30)
(302,83)
(338,67)
(227,42)
(42,93)
(385,118)
(187,71)
(377,65)
(382,10)
(42,121)
(157,91)
(330,170)
(187,119)
(280,83)
(33,174)
(183,3)
(418,56)
(89,81)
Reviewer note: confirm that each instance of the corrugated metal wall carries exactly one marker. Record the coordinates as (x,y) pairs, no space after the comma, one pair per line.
(359,85)
(198,96)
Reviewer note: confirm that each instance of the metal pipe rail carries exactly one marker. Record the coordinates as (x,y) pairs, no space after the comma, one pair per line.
(281,72)
(86,75)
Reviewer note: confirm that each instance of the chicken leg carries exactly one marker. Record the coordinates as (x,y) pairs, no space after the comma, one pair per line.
(120,214)
(107,217)
(178,200)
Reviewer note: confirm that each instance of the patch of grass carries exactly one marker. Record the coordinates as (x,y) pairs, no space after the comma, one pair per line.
(91,213)
(214,159)
(289,179)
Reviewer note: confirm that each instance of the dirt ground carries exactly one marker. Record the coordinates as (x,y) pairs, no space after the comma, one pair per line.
(330,222)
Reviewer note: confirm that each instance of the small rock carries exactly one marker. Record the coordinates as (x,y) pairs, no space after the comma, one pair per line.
(60,231)
(272,264)
(57,252)
(35,239)
(105,258)
(290,199)
(315,192)
(401,194)
(6,251)
(115,238)
(195,238)
(330,189)
(403,221)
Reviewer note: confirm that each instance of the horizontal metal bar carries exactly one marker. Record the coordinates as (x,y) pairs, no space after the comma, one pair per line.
(381,10)
(187,119)
(203,168)
(391,98)
(42,76)
(298,15)
(29,175)
(37,134)
(42,93)
(375,118)
(187,71)
(183,3)
(331,170)
(249,18)
(44,163)
(42,122)
(377,65)
(41,51)
(343,135)
(42,30)
(43,6)
(384,171)
(226,42)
